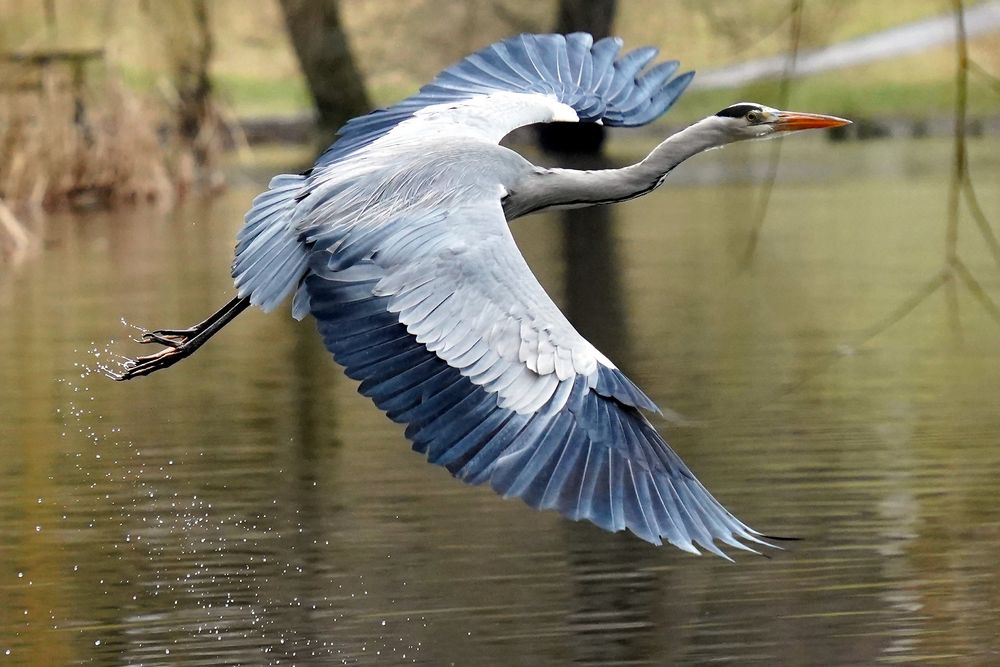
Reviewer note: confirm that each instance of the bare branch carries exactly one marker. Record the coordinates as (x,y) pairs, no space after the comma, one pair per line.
(784,87)
(960,159)
(992,80)
(962,271)
(20,240)
(972,201)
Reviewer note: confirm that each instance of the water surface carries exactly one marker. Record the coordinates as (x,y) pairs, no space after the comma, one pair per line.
(248,507)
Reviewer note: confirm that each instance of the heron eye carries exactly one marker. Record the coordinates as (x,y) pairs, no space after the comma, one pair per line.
(754,116)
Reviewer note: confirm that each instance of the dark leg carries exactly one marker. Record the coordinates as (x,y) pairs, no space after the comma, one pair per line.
(180,343)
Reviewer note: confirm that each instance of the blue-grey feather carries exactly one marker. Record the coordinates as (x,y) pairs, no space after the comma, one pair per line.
(594,497)
(639,507)
(466,359)
(616,488)
(666,511)
(454,456)
(640,93)
(603,55)
(626,69)
(532,480)
(586,450)
(397,376)
(454,423)
(690,524)
(380,351)
(578,57)
(382,385)
(612,382)
(546,64)
(433,397)
(465,435)
(356,310)
(527,438)
(475,466)
(539,54)
(485,63)
(436,378)
(664,99)
(562,485)
(585,454)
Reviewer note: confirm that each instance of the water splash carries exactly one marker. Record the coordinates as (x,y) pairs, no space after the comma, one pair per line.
(200,567)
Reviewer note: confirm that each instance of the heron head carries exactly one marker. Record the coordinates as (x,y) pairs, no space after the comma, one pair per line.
(749,120)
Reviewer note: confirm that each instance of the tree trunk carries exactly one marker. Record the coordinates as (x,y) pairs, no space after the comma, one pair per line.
(321,45)
(595,17)
(194,86)
(188,44)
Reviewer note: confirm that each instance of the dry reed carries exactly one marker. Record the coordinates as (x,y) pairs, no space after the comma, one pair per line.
(104,146)
(71,144)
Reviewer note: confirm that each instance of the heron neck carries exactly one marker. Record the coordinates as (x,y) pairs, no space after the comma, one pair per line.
(690,141)
(571,188)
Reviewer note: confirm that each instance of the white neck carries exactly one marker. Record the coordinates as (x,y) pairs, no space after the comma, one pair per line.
(548,188)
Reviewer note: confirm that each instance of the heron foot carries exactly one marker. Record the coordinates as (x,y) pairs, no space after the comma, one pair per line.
(169,337)
(177,344)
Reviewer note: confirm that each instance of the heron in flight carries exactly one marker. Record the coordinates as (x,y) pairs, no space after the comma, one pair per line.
(397,242)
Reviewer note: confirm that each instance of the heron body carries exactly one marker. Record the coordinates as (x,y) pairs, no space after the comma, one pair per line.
(397,242)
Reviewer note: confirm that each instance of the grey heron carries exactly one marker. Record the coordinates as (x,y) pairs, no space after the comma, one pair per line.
(397,242)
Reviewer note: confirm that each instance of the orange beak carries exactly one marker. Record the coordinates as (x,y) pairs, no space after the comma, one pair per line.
(791,121)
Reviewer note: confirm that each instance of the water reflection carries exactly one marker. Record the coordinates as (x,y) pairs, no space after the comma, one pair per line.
(613,614)
(247,506)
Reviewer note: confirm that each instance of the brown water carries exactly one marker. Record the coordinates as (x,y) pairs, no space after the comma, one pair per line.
(248,507)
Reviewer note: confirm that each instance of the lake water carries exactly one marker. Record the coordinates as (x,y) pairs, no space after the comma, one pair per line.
(248,507)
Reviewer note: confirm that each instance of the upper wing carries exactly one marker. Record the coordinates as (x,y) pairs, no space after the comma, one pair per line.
(522,80)
(529,79)
(449,332)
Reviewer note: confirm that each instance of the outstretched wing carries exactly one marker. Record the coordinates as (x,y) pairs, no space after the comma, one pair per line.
(530,79)
(448,331)
(439,317)
(519,81)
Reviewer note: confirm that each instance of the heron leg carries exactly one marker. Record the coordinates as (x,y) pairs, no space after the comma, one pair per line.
(180,343)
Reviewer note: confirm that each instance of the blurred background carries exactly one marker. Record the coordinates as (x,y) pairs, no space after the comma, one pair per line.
(820,313)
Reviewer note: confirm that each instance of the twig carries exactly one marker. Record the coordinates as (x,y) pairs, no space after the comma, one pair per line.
(905,308)
(977,290)
(972,201)
(954,270)
(960,163)
(20,239)
(784,86)
(897,314)
(992,80)
(959,168)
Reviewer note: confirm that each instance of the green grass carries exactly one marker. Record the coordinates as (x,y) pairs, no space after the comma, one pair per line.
(834,93)
(256,71)
(264,97)
(840,93)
